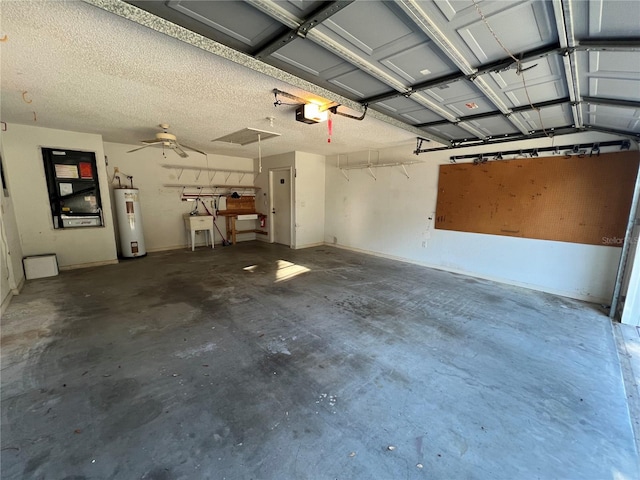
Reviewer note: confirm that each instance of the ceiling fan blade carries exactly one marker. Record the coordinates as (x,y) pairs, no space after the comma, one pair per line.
(139,148)
(176,148)
(151,142)
(191,148)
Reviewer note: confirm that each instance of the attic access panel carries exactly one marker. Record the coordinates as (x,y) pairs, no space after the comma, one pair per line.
(246,136)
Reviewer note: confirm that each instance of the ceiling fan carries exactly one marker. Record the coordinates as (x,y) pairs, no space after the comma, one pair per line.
(168,140)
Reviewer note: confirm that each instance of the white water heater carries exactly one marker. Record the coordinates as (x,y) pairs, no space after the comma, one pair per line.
(129,222)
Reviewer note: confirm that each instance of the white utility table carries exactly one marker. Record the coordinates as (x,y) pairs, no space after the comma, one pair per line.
(194,223)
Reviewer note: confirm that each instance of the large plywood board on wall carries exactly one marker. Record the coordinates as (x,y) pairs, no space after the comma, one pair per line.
(569,199)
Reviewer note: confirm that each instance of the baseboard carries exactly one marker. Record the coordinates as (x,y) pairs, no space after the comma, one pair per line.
(12,293)
(18,289)
(309,245)
(182,247)
(172,247)
(188,247)
(539,288)
(88,265)
(6,301)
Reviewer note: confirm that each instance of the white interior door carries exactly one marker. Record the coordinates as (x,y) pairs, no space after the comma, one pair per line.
(280,189)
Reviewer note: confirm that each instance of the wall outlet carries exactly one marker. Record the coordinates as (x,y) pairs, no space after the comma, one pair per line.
(424,244)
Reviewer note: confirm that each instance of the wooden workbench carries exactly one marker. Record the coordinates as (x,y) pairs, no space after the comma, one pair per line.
(231,218)
(239,206)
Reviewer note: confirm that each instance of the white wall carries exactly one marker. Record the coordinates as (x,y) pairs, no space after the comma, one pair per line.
(309,199)
(27,182)
(394,216)
(12,276)
(162,208)
(262,197)
(391,216)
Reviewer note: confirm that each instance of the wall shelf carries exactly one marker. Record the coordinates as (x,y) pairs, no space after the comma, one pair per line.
(369,166)
(212,172)
(202,191)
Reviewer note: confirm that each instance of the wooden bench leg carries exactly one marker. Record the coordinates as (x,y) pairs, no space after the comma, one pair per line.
(227,221)
(233,230)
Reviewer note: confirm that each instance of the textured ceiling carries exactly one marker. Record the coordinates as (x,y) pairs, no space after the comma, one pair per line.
(435,69)
(73,66)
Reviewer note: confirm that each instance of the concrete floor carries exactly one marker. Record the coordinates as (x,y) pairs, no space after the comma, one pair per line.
(234,364)
(628,338)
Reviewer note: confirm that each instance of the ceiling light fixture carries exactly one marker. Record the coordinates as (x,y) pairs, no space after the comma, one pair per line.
(311,113)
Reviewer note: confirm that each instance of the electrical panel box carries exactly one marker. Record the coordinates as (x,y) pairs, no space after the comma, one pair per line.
(74,194)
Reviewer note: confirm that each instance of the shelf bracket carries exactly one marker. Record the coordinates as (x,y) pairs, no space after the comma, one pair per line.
(344,174)
(371,173)
(240,177)
(198,175)
(179,173)
(405,170)
(227,177)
